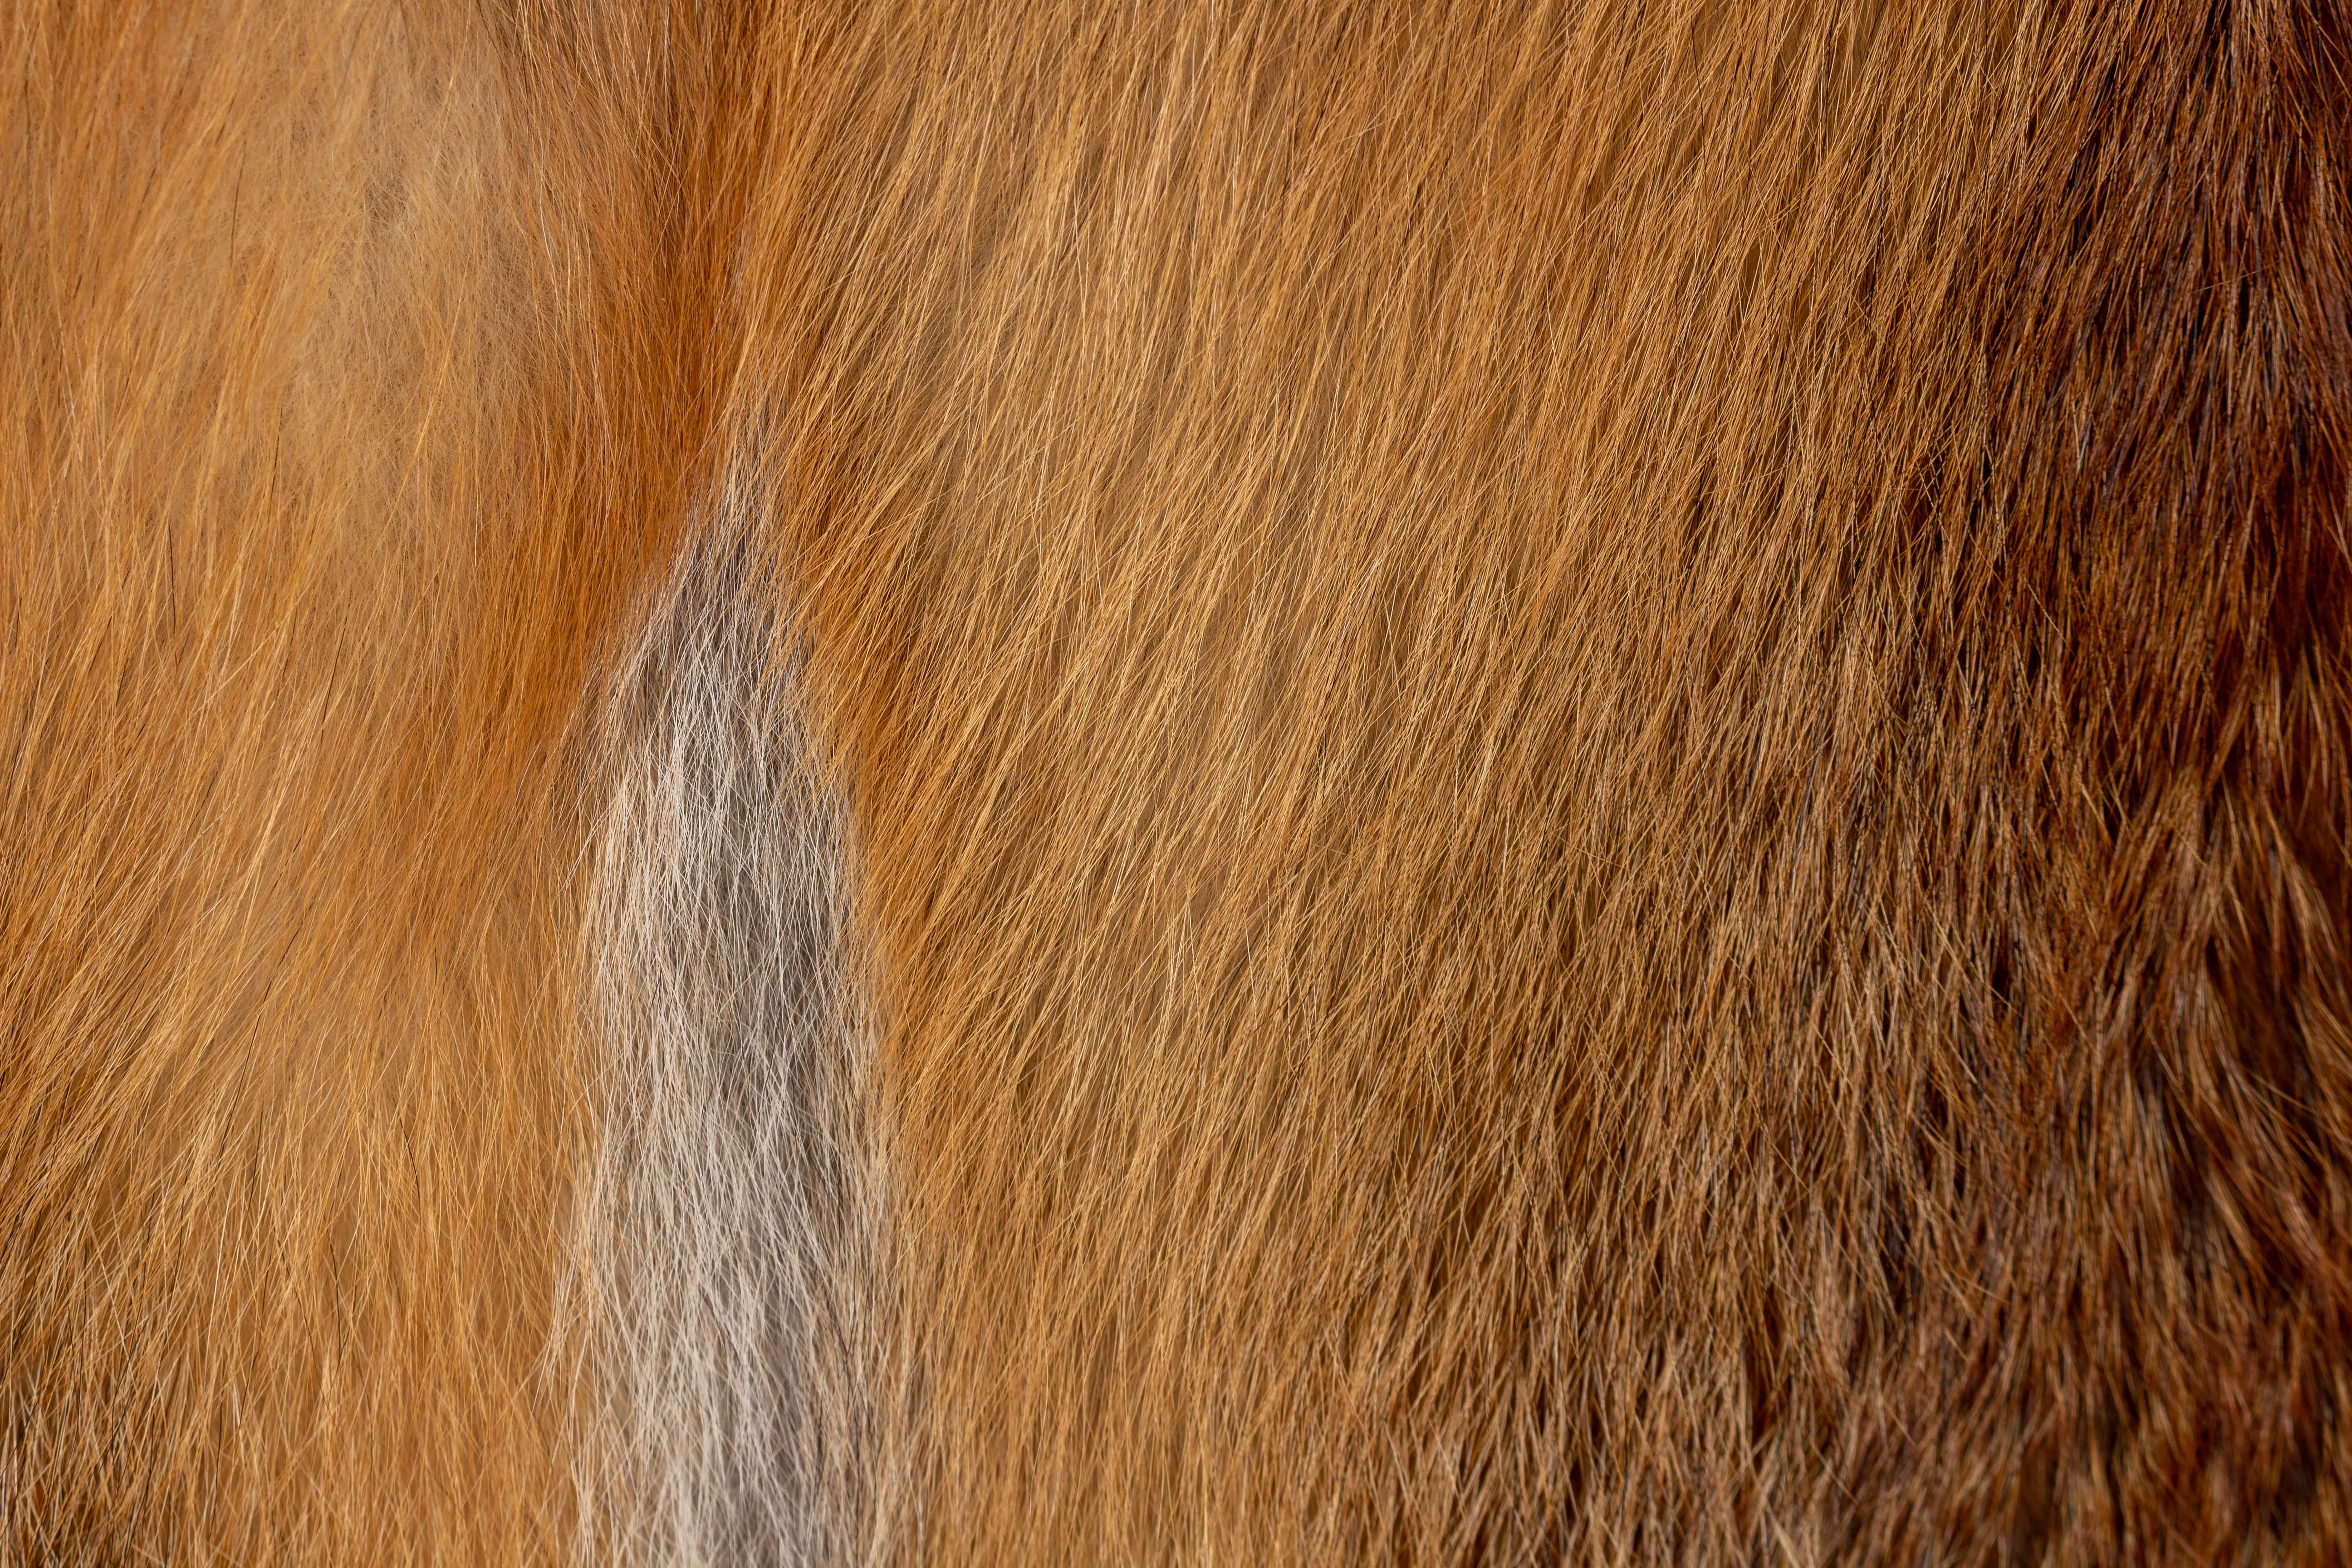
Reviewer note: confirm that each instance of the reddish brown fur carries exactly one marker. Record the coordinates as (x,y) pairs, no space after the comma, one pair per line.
(1602,757)
(1603,753)
(343,406)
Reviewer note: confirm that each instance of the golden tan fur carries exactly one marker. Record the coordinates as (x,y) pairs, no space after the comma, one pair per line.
(337,426)
(1602,751)
(1597,757)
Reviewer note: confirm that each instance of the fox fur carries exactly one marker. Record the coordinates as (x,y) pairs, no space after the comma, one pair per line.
(1210,781)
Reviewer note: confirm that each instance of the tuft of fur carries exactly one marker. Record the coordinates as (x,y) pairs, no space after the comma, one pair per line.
(734,1217)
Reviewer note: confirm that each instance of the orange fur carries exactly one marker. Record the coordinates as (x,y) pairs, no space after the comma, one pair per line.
(342,412)
(1602,753)
(1598,760)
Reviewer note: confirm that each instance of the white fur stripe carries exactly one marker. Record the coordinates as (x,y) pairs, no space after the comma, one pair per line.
(732,1224)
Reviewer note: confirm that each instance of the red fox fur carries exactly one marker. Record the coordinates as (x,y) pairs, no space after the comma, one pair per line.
(1210,781)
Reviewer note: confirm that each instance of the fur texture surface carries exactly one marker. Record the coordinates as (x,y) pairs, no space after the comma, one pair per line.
(1601,761)
(1226,781)
(345,405)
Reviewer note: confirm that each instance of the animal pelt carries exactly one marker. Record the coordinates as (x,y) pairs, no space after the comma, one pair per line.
(995,781)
